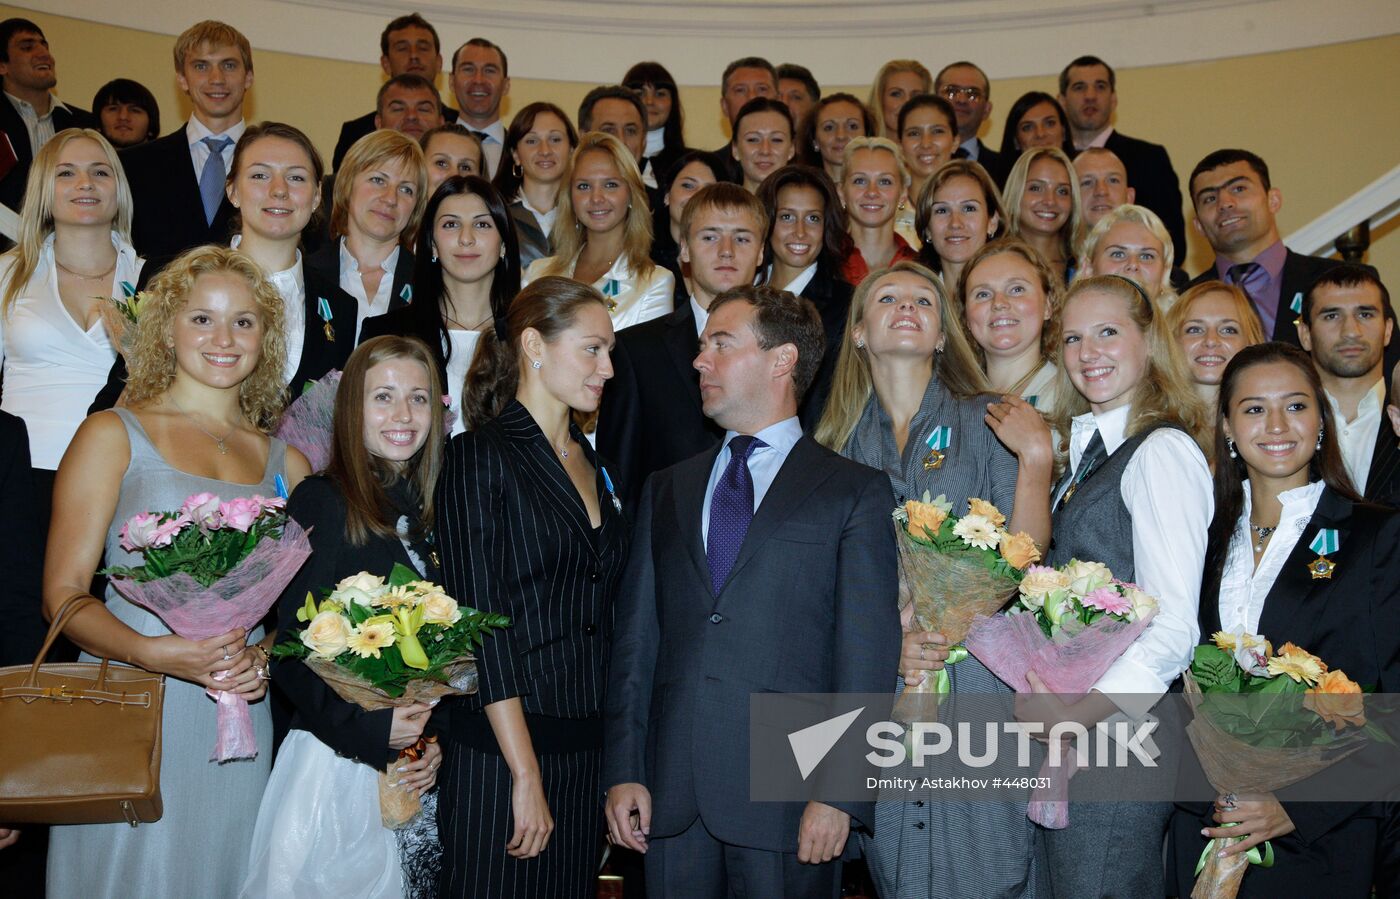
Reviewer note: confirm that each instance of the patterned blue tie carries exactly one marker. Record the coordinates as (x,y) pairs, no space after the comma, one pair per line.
(731,510)
(211,179)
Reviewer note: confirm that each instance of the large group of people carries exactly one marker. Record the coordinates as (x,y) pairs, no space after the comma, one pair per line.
(684,390)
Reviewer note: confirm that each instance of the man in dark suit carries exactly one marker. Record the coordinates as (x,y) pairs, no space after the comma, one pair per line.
(743,79)
(965,85)
(767,566)
(480,82)
(177,182)
(1344,325)
(651,415)
(407,46)
(1088,93)
(29,114)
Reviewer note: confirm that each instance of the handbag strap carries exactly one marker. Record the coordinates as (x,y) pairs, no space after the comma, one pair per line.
(71,606)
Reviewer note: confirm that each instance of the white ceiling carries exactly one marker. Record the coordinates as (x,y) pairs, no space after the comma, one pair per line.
(843,43)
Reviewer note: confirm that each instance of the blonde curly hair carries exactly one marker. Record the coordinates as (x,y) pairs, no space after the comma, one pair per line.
(151,362)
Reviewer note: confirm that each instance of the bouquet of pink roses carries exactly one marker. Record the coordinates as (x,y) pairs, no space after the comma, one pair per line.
(209,567)
(1068,625)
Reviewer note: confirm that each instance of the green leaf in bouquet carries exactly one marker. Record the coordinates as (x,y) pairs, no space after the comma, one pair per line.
(357,613)
(402,574)
(1215,669)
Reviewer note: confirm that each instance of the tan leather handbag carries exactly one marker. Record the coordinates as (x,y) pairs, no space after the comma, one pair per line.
(81,741)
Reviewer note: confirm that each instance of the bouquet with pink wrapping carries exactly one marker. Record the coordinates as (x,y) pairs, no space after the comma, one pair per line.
(1068,625)
(306,424)
(212,566)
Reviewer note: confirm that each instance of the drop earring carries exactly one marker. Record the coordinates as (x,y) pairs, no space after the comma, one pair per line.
(1230,445)
(1320,432)
(435,252)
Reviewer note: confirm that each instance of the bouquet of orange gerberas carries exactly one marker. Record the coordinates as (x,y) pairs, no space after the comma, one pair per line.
(954,570)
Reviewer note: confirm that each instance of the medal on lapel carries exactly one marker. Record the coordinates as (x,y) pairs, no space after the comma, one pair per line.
(1324,544)
(407,293)
(939,440)
(1297,307)
(612,491)
(610,290)
(323,309)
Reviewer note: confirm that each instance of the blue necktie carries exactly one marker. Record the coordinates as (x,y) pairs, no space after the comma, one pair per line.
(212,177)
(731,510)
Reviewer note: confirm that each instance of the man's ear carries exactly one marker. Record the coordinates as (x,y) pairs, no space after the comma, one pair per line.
(1132,194)
(1304,335)
(785,361)
(1275,200)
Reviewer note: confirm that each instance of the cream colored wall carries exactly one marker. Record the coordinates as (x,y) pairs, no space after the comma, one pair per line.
(1324,118)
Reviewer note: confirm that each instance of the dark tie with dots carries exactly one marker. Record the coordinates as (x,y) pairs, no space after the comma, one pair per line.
(1249,277)
(731,510)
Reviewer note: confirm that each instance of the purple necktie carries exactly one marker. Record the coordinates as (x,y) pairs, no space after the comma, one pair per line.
(1250,277)
(731,510)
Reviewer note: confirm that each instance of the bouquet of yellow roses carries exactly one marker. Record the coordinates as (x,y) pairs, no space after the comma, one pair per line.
(954,570)
(388,644)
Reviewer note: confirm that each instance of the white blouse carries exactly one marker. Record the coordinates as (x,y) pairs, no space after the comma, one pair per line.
(53,365)
(353,284)
(1243,587)
(631,298)
(463,349)
(1040,389)
(291,284)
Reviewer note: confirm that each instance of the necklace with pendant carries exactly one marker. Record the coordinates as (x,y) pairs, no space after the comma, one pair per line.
(1264,534)
(218,441)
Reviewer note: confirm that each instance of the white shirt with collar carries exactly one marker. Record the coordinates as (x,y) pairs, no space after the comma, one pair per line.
(1243,587)
(40,127)
(1100,139)
(702,316)
(632,299)
(544,219)
(292,287)
(804,278)
(1357,437)
(1167,489)
(764,463)
(351,283)
(491,145)
(196,131)
(971,147)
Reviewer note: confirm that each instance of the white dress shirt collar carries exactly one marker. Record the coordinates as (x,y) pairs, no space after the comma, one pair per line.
(1357,438)
(804,278)
(702,316)
(1111,426)
(1243,585)
(291,286)
(197,131)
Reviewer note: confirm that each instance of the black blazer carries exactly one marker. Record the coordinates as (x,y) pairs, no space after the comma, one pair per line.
(651,416)
(996,164)
(1154,182)
(169,213)
(832,297)
(515,538)
(402,322)
(325,262)
(1351,621)
(318,506)
(1383,477)
(810,606)
(534,243)
(13,184)
(321,352)
(21,548)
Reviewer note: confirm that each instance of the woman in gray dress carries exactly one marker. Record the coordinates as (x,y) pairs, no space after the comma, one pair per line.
(204,390)
(908,397)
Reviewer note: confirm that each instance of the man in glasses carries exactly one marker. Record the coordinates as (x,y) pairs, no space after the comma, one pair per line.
(1088,92)
(965,86)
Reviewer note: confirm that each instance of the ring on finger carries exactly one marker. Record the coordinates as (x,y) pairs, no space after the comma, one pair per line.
(226,654)
(921,654)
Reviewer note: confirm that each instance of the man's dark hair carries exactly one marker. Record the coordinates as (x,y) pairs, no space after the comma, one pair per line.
(782,317)
(1218,158)
(605,92)
(412,20)
(124,90)
(795,72)
(408,81)
(963,64)
(1348,274)
(1087,61)
(764,104)
(11,27)
(747,62)
(488,45)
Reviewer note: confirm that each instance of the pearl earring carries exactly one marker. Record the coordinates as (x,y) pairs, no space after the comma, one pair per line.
(535,364)
(1230,444)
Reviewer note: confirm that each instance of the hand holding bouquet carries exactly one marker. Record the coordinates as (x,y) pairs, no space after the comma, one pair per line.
(385,644)
(209,567)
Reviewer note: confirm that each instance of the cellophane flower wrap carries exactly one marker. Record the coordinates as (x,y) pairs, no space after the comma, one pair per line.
(306,423)
(209,567)
(1068,625)
(1255,746)
(952,572)
(119,316)
(386,644)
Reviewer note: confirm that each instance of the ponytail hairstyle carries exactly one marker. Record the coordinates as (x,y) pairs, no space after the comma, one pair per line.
(362,476)
(1326,464)
(548,305)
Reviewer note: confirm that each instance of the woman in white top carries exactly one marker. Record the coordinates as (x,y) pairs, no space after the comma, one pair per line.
(1008,293)
(603,234)
(380,190)
(1131,241)
(74,251)
(538,144)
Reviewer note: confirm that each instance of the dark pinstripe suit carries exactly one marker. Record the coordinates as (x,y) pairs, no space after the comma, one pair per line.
(516,539)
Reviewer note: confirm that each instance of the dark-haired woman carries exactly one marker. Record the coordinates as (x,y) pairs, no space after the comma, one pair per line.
(319,833)
(763,139)
(529,526)
(466,271)
(538,145)
(1036,119)
(1281,485)
(691,171)
(833,123)
(928,135)
(665,119)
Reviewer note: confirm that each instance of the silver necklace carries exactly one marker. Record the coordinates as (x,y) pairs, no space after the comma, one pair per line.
(1264,534)
(218,441)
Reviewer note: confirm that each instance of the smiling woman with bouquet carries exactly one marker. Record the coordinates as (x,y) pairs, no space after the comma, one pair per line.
(205,388)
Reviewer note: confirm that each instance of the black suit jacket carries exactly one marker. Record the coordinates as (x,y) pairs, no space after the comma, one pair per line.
(997,165)
(401,322)
(533,242)
(651,416)
(832,297)
(169,213)
(516,539)
(319,507)
(1351,621)
(1154,183)
(325,262)
(1383,477)
(21,548)
(322,349)
(809,607)
(13,184)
